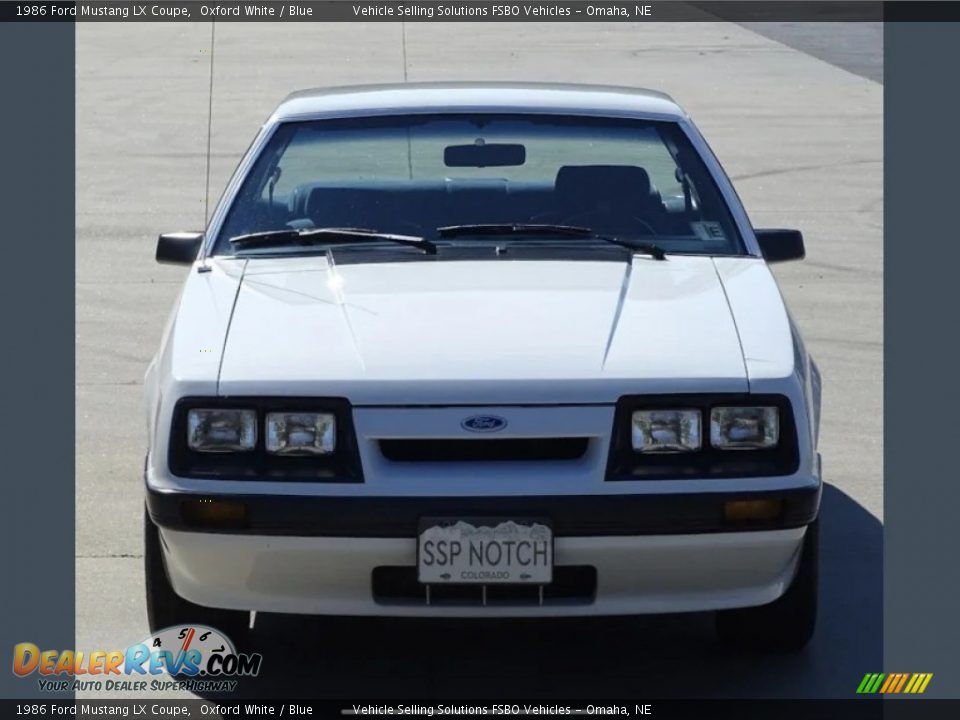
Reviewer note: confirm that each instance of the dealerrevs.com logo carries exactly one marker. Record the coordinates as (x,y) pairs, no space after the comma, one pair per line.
(201,658)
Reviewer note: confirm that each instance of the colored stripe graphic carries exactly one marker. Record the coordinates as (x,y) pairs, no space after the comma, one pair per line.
(894,683)
(918,683)
(862,687)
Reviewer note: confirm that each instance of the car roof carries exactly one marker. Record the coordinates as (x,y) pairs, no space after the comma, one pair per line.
(483,97)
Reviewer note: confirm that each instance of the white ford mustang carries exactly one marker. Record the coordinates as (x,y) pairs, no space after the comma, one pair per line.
(482,350)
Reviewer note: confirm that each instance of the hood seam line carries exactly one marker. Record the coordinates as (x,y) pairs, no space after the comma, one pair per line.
(233,311)
(733,319)
(621,301)
(333,273)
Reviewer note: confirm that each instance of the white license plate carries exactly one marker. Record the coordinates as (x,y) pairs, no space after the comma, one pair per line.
(484,551)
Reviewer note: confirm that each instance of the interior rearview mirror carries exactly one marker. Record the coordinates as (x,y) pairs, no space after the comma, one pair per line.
(484,155)
(179,248)
(780,245)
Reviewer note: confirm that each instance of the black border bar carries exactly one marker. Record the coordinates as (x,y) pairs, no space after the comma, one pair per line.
(636,707)
(921,585)
(37,313)
(481,11)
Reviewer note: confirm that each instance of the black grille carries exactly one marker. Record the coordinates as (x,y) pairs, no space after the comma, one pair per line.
(484,450)
(398,585)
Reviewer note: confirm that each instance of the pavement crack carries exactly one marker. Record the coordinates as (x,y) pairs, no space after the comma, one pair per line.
(116,383)
(802,168)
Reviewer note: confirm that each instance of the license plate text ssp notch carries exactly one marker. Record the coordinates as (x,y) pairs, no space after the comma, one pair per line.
(485,551)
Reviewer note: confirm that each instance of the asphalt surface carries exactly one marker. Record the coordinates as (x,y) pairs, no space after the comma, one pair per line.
(801,138)
(855,47)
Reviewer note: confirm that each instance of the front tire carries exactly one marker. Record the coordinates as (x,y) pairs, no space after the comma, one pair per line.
(786,624)
(166,609)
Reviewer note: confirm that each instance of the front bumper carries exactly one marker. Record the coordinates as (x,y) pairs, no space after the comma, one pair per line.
(320,555)
(333,575)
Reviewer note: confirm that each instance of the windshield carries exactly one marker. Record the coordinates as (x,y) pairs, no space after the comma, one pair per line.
(411,175)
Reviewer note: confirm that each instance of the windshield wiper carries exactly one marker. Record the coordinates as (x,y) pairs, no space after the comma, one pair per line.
(575,231)
(450,231)
(320,236)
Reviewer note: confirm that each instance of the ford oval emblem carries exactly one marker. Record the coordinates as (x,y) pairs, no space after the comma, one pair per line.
(483,423)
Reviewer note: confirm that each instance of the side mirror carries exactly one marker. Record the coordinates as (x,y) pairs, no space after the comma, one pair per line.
(781,245)
(179,248)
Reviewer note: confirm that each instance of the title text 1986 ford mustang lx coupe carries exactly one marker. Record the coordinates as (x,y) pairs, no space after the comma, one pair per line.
(482,350)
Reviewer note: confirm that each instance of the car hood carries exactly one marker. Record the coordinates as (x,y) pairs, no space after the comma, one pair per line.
(486,331)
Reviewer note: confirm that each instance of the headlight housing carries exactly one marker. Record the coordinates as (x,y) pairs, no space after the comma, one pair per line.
(301,433)
(665,431)
(265,438)
(221,430)
(710,435)
(744,428)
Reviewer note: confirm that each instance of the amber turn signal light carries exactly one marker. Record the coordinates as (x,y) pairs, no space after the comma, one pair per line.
(737,511)
(215,513)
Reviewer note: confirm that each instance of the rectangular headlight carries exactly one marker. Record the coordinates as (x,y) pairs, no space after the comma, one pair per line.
(744,428)
(301,433)
(666,431)
(221,430)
